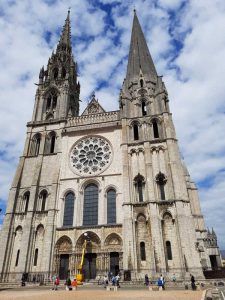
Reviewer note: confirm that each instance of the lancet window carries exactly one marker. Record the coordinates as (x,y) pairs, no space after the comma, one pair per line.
(68,209)
(35,145)
(111,206)
(51,101)
(90,212)
(155,129)
(161,181)
(135,132)
(50,143)
(139,187)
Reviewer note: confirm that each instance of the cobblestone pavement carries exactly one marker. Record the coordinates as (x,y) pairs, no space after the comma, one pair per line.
(84,294)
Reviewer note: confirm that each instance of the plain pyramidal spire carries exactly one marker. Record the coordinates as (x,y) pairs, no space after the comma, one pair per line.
(140,59)
(65,38)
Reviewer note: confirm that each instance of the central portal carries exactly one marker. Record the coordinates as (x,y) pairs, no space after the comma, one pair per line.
(89,268)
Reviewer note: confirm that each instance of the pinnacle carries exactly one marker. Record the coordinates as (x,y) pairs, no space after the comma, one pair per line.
(65,38)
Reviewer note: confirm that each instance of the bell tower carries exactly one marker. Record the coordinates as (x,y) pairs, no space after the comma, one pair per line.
(58,91)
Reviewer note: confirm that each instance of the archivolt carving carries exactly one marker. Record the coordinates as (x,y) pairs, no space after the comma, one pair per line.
(95,241)
(64,244)
(113,239)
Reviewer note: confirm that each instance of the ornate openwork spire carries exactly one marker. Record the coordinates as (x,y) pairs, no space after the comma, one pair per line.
(65,38)
(139,55)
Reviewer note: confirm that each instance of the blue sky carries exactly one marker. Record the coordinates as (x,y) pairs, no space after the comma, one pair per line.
(187,43)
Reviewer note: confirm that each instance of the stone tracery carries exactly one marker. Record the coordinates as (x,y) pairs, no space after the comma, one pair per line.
(91,155)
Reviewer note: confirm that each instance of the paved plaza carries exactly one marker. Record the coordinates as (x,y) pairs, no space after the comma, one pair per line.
(98,294)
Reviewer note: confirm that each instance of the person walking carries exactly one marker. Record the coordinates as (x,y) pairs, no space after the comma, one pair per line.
(106,281)
(174,279)
(146,280)
(193,286)
(118,280)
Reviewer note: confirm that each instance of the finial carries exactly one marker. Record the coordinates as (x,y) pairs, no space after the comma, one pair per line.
(134,9)
(69,11)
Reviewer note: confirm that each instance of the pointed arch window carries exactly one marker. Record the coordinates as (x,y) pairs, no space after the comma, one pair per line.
(161,181)
(139,187)
(111,206)
(169,250)
(35,257)
(26,199)
(17,257)
(68,210)
(43,200)
(50,143)
(144,109)
(51,102)
(155,129)
(136,132)
(141,83)
(142,251)
(35,145)
(90,215)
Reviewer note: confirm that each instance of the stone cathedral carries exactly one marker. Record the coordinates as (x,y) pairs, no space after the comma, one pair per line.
(116,176)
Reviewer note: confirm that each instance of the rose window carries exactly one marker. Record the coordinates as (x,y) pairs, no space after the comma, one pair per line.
(91,155)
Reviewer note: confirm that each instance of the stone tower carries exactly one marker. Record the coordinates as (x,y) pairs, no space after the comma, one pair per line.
(116,176)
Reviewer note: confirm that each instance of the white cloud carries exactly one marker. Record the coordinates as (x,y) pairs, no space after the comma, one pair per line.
(196,91)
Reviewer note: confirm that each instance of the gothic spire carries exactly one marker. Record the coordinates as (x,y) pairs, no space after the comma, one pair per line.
(65,38)
(139,56)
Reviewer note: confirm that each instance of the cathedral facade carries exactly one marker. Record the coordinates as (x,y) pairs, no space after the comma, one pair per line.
(116,176)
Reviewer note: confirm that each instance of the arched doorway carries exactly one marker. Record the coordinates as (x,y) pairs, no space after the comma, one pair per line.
(113,245)
(90,258)
(63,252)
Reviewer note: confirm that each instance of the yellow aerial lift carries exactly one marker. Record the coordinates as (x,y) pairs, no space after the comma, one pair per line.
(80,275)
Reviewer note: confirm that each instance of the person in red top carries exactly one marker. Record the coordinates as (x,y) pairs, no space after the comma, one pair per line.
(56,283)
(74,284)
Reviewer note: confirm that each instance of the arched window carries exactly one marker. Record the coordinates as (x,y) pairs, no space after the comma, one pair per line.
(68,210)
(51,101)
(144,110)
(161,181)
(141,83)
(169,250)
(26,199)
(155,129)
(35,145)
(111,206)
(43,198)
(55,73)
(35,257)
(135,131)
(50,143)
(90,216)
(139,186)
(17,258)
(142,251)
